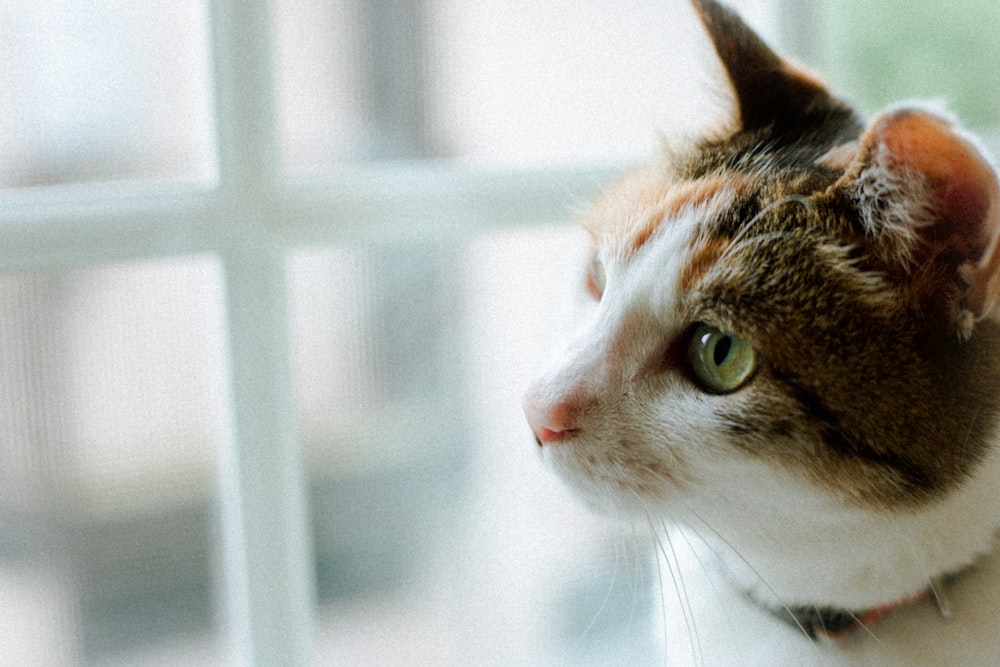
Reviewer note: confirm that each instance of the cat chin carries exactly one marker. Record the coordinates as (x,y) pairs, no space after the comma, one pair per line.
(608,489)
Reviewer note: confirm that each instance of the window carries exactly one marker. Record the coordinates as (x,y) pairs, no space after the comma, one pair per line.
(269,292)
(883,52)
(104,91)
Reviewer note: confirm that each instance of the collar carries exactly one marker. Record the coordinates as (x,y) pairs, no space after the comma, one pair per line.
(834,624)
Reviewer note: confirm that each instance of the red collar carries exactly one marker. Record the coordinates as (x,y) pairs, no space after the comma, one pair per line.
(834,624)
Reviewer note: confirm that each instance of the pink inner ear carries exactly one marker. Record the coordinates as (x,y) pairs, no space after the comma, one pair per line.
(963,184)
(967,204)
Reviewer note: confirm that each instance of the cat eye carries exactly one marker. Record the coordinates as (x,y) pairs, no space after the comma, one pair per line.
(595,277)
(722,362)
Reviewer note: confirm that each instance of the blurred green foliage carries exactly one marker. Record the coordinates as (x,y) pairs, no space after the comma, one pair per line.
(883,51)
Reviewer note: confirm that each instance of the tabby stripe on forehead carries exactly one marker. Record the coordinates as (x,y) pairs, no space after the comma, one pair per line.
(685,197)
(703,256)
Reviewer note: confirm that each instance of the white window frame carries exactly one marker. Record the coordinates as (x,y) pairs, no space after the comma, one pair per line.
(250,219)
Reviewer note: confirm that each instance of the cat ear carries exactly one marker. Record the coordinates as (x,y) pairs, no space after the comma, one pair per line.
(926,192)
(770,92)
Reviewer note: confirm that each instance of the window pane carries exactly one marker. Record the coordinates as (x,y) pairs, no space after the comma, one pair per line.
(884,51)
(110,405)
(499,82)
(440,537)
(351,81)
(319,72)
(101,90)
(530,82)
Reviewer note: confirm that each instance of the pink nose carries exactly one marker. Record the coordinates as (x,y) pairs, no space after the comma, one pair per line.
(550,423)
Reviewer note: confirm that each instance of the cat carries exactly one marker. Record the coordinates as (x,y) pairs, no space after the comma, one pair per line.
(793,355)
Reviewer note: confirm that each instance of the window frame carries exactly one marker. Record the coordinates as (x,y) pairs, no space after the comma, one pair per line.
(250,218)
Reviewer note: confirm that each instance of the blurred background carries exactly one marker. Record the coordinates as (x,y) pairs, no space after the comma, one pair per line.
(434,535)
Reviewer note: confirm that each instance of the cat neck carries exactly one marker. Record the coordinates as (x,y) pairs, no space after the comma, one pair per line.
(789,553)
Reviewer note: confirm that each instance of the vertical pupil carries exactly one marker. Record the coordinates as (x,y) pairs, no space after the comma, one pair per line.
(722,349)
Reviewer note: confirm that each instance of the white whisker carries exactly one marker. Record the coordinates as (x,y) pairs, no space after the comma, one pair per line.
(637,580)
(694,550)
(677,578)
(752,569)
(607,596)
(663,598)
(864,627)
(693,626)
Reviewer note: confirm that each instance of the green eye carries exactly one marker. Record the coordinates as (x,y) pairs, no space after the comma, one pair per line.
(722,362)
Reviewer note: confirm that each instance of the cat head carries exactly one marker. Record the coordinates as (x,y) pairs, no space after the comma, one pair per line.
(795,313)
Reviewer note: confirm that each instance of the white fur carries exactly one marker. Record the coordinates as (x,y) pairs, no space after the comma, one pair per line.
(791,544)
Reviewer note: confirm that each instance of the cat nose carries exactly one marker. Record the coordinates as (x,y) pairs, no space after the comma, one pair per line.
(550,422)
